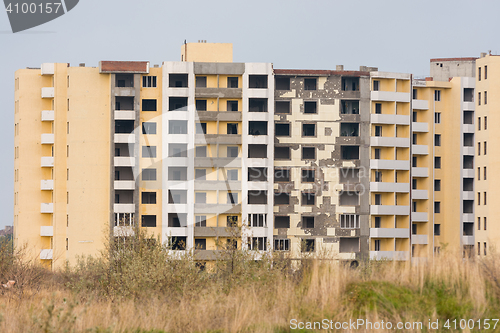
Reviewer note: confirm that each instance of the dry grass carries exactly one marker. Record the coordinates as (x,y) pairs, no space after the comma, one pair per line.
(161,295)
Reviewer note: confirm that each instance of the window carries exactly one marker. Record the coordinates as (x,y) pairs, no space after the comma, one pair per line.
(437,162)
(257,128)
(479,148)
(485,72)
(308,153)
(148,221)
(437,95)
(378,176)
(437,207)
(257,197)
(232,105)
(257,104)
(478,173)
(309,84)
(201,82)
(479,73)
(485,145)
(437,140)
(485,122)
(201,128)
(201,151)
(282,129)
(415,94)
(282,83)
(257,81)
(414,114)
(378,221)
(478,198)
(148,128)
(148,174)
(232,151)
(177,103)
(282,244)
(177,196)
(414,138)
(257,151)
(148,198)
(437,184)
(177,150)
(281,222)
(281,175)
(377,244)
(485,97)
(200,221)
(414,228)
(232,128)
(200,174)
(484,173)
(378,108)
(177,173)
(232,82)
(149,151)
(484,198)
(258,243)
(478,123)
(479,98)
(437,117)
(257,220)
(200,198)
(149,81)
(232,174)
(349,221)
(310,107)
(437,229)
(484,244)
(149,105)
(307,222)
(281,153)
(307,245)
(478,248)
(378,199)
(484,224)
(308,176)
(376,85)
(177,80)
(282,107)
(178,243)
(378,130)
(377,153)
(308,198)
(177,127)
(478,223)
(200,244)
(232,198)
(201,105)
(308,130)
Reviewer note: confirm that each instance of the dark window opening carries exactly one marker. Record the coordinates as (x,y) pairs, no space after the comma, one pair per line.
(177,196)
(200,244)
(257,81)
(124,80)
(348,245)
(307,245)
(310,107)
(468,162)
(257,151)
(201,82)
(308,222)
(378,108)
(232,82)
(124,126)
(308,198)
(376,85)
(309,84)
(124,103)
(308,153)
(232,128)
(281,153)
(232,151)
(468,140)
(282,129)
(177,220)
(281,175)
(282,107)
(232,105)
(257,104)
(350,83)
(308,175)
(281,198)
(350,152)
(201,128)
(437,162)
(149,105)
(308,129)
(148,128)
(257,127)
(177,127)
(349,129)
(178,80)
(257,197)
(469,117)
(177,150)
(257,174)
(178,243)
(281,222)
(468,94)
(232,221)
(282,83)
(348,198)
(177,103)
(201,105)
(437,229)
(149,81)
(148,198)
(148,221)
(468,229)
(349,107)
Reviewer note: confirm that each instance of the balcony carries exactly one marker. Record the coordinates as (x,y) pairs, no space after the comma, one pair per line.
(419,239)
(124,138)
(389,232)
(47,208)
(47,185)
(468,151)
(124,115)
(47,162)
(124,161)
(389,187)
(468,240)
(221,116)
(218,92)
(216,208)
(47,231)
(468,128)
(420,194)
(48,92)
(391,255)
(419,104)
(220,185)
(125,91)
(47,139)
(390,164)
(468,106)
(419,172)
(468,173)
(234,139)
(217,162)
(123,231)
(468,195)
(420,127)
(393,119)
(390,96)
(48,115)
(468,217)
(419,217)
(389,210)
(47,69)
(124,185)
(420,150)
(124,208)
(214,232)
(46,254)
(382,141)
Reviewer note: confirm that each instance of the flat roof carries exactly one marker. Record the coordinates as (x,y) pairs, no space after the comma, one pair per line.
(318,72)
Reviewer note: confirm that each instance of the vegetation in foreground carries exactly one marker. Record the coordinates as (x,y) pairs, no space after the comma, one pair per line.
(136,287)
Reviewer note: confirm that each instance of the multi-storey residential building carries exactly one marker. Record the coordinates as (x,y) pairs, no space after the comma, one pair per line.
(349,165)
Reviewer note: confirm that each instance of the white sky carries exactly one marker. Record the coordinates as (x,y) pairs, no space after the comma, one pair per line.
(393,35)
